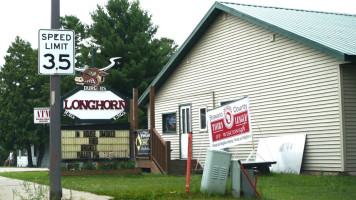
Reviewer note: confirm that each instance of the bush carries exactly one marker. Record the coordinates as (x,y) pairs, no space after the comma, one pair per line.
(104,165)
(64,167)
(75,166)
(88,165)
(108,165)
(130,164)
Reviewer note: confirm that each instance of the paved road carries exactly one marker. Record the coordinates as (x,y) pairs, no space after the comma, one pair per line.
(7,186)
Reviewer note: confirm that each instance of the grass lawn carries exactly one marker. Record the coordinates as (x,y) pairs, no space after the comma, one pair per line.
(154,186)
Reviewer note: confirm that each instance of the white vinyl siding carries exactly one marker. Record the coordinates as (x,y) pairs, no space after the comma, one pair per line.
(349,98)
(293,89)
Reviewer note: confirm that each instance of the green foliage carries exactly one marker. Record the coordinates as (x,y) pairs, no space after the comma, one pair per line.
(3,156)
(71,22)
(22,89)
(80,29)
(71,166)
(88,165)
(64,167)
(129,164)
(122,28)
(115,164)
(38,192)
(108,165)
(75,166)
(156,186)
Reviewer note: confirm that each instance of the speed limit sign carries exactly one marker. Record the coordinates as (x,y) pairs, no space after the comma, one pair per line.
(56,52)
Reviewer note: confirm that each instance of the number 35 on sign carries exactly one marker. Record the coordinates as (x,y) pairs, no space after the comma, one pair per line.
(56,52)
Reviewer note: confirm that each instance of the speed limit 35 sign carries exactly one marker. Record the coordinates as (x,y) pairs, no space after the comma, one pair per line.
(56,52)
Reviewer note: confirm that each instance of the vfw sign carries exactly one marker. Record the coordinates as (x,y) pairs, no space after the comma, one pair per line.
(41,115)
(229,125)
(89,103)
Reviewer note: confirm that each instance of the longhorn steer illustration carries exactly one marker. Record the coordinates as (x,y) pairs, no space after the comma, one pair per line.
(93,76)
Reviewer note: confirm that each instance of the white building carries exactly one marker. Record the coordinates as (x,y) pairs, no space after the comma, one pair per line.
(22,160)
(297,67)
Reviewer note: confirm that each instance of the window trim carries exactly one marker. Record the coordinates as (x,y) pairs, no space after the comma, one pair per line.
(227,100)
(168,132)
(206,121)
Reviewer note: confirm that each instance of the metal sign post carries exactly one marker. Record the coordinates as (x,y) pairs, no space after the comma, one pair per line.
(55,57)
(55,139)
(55,125)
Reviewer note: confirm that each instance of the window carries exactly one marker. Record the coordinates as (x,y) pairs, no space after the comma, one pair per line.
(185,119)
(169,123)
(222,103)
(202,119)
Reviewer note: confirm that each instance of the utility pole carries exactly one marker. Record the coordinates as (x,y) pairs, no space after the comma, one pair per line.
(55,125)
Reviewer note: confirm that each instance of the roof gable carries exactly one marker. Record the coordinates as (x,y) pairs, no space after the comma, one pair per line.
(331,33)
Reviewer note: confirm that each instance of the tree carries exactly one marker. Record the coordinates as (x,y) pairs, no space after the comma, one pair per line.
(71,22)
(123,29)
(22,89)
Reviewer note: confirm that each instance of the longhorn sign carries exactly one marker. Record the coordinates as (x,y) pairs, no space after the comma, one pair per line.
(93,76)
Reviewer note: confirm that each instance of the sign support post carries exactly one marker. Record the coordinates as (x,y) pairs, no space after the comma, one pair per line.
(190,143)
(55,125)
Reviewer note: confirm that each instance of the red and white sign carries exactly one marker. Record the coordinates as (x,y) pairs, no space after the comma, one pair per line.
(94,103)
(229,125)
(41,115)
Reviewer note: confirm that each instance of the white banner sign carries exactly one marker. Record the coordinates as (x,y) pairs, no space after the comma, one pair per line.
(41,115)
(229,125)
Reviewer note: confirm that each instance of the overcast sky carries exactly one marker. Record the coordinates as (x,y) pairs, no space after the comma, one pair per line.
(176,18)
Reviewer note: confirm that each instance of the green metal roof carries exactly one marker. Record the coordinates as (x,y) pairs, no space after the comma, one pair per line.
(331,33)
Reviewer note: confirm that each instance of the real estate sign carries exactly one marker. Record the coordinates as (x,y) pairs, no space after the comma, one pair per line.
(229,124)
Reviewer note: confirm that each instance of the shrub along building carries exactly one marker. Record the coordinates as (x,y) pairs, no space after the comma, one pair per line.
(297,67)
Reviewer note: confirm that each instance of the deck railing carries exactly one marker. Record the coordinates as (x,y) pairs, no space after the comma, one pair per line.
(160,151)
